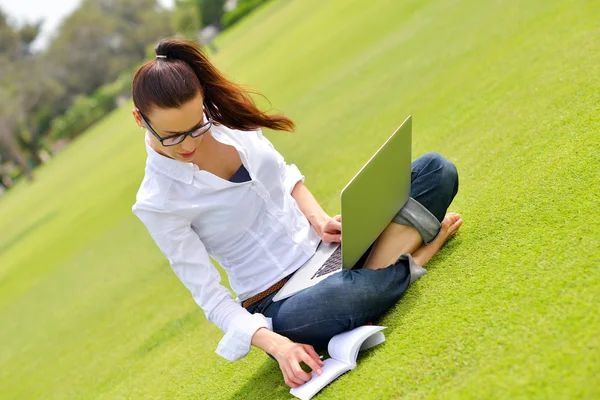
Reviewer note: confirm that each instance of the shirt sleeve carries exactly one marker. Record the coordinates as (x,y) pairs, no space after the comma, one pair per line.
(190,262)
(290,174)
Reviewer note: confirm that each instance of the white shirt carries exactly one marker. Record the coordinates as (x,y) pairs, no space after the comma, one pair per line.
(254,229)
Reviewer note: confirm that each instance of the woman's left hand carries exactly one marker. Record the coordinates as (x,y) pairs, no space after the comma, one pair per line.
(331,232)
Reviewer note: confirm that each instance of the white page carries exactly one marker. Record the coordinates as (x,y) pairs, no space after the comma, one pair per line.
(344,347)
(331,370)
(373,341)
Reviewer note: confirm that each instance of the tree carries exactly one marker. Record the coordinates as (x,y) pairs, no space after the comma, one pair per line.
(100,40)
(18,90)
(94,45)
(211,11)
(186,18)
(10,112)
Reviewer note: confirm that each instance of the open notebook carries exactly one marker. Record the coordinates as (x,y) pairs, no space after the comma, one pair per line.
(343,349)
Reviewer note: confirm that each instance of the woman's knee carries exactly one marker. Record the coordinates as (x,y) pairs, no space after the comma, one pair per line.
(435,163)
(449,173)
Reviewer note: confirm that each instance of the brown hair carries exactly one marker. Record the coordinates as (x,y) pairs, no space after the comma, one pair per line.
(182,70)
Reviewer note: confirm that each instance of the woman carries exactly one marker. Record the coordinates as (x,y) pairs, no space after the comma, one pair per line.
(215,185)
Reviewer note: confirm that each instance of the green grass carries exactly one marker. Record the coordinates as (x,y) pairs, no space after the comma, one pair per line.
(89,308)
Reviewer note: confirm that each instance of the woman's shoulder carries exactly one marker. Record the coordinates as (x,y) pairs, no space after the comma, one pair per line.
(163,195)
(242,138)
(153,191)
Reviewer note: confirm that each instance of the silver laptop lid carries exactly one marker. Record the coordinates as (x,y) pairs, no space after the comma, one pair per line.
(376,194)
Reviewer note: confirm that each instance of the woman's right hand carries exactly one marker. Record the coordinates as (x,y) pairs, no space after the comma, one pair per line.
(289,355)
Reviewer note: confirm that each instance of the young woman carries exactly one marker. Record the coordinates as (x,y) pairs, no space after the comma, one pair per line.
(214,185)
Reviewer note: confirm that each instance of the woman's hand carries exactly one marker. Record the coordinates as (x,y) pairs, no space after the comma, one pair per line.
(331,230)
(289,356)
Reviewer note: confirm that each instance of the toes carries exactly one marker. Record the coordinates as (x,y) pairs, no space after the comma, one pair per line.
(455,226)
(451,217)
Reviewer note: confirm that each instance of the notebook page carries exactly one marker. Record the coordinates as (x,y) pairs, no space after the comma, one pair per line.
(373,341)
(331,370)
(344,347)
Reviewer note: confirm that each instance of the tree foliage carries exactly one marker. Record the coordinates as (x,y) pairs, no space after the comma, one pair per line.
(186,17)
(244,7)
(211,11)
(101,39)
(23,88)
(95,45)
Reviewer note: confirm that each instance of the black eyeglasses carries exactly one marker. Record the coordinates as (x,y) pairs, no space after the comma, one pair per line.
(180,137)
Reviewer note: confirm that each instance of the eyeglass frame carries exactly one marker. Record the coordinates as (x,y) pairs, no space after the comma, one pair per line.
(208,123)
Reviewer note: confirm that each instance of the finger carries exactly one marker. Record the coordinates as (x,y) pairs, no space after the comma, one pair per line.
(300,374)
(292,379)
(313,354)
(312,363)
(335,226)
(286,378)
(289,383)
(330,238)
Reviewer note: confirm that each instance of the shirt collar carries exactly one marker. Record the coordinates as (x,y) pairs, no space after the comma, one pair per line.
(175,169)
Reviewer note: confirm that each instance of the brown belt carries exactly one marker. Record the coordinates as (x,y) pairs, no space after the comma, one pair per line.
(247,303)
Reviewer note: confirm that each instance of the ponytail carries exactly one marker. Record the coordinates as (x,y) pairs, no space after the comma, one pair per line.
(180,71)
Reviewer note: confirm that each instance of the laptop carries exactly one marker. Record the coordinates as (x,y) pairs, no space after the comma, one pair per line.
(369,202)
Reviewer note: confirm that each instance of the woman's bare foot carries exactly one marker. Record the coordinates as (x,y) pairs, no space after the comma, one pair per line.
(450,225)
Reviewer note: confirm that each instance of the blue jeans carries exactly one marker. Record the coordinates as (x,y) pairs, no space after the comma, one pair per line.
(351,298)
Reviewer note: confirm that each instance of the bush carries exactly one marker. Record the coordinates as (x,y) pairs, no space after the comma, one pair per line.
(86,110)
(243,8)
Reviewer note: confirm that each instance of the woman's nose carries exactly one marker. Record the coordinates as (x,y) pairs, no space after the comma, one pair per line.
(188,144)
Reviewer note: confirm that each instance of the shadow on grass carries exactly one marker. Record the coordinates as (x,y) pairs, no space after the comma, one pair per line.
(267,383)
(27,230)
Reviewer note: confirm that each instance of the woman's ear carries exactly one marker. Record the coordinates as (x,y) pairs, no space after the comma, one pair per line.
(138,118)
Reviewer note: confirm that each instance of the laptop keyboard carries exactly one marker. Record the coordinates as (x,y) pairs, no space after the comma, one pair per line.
(333,263)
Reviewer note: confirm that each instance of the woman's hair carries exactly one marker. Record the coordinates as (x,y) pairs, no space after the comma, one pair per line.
(180,71)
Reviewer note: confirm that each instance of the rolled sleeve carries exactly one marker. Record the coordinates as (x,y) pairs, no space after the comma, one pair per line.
(290,176)
(416,215)
(289,173)
(236,342)
(190,262)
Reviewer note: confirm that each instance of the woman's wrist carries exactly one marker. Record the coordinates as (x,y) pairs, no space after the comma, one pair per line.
(268,341)
(318,222)
(311,209)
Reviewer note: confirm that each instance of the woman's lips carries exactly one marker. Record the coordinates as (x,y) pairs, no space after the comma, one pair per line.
(187,155)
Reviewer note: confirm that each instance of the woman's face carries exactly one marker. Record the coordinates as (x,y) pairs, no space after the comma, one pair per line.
(168,122)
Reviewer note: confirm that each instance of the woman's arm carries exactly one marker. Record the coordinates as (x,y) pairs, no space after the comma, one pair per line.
(191,264)
(329,229)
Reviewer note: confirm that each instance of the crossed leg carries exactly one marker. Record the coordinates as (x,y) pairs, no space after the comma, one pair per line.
(399,239)
(434,183)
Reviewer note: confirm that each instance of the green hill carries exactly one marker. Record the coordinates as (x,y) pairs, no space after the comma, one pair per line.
(90,309)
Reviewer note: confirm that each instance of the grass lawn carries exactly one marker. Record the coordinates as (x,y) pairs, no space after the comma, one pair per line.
(89,308)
